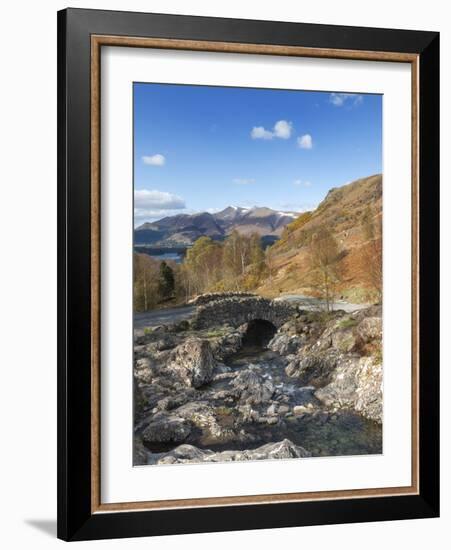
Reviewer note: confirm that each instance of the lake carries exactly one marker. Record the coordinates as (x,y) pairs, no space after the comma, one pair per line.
(175,254)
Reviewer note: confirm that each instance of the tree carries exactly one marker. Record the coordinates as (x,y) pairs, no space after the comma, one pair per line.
(232,260)
(372,255)
(255,266)
(145,282)
(324,257)
(166,281)
(203,263)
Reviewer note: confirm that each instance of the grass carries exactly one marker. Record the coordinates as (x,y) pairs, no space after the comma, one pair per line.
(347,323)
(214,333)
(319,316)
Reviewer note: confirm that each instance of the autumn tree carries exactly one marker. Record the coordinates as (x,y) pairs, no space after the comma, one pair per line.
(255,268)
(145,282)
(232,260)
(324,258)
(204,262)
(372,255)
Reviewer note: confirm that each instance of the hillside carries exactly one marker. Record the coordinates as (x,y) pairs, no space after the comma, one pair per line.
(184,229)
(343,212)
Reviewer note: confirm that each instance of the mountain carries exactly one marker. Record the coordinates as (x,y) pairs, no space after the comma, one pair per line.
(342,212)
(184,229)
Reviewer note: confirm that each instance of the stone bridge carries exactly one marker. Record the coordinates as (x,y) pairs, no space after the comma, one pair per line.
(236,311)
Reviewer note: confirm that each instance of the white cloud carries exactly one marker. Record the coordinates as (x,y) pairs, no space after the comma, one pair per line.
(297,207)
(154,160)
(302,183)
(282,130)
(305,141)
(340,99)
(258,132)
(243,181)
(146,215)
(157,200)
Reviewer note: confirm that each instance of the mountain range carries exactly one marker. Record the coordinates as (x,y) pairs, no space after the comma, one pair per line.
(184,229)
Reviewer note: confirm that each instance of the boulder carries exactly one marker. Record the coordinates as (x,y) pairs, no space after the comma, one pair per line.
(370,328)
(143,370)
(164,343)
(344,340)
(285,343)
(204,417)
(225,346)
(164,428)
(190,454)
(356,384)
(313,368)
(193,362)
(252,388)
(140,453)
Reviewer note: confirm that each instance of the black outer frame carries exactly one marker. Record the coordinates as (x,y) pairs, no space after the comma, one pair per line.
(75,520)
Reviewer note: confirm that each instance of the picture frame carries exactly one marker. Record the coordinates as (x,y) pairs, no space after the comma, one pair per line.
(81,36)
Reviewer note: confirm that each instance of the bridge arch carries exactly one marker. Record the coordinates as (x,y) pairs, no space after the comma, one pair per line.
(258,333)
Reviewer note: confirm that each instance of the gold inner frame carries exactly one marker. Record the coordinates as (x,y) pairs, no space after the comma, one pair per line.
(97,41)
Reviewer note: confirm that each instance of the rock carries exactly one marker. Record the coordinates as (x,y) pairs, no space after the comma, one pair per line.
(248,414)
(344,340)
(165,428)
(226,345)
(272,410)
(313,368)
(172,402)
(190,454)
(369,329)
(252,388)
(193,362)
(165,343)
(286,344)
(357,384)
(292,368)
(143,370)
(204,417)
(301,409)
(140,453)
(372,311)
(150,334)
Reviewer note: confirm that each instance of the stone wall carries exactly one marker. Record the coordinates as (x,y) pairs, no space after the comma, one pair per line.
(236,311)
(203,299)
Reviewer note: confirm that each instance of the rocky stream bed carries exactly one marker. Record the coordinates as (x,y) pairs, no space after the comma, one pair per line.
(312,387)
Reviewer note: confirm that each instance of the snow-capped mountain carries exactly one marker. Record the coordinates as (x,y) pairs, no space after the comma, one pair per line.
(186,228)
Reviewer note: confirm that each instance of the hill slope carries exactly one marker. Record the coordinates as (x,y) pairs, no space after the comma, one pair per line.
(343,213)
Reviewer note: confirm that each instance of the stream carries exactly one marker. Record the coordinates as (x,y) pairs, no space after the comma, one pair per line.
(319,431)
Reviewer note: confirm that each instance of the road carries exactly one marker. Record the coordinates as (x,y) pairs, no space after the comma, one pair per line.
(162,316)
(309,303)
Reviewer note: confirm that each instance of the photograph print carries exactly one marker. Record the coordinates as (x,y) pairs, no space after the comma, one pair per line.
(257,274)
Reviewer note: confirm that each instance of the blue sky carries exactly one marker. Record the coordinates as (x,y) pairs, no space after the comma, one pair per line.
(202,148)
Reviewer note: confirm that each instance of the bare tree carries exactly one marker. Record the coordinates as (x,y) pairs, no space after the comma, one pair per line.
(324,257)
